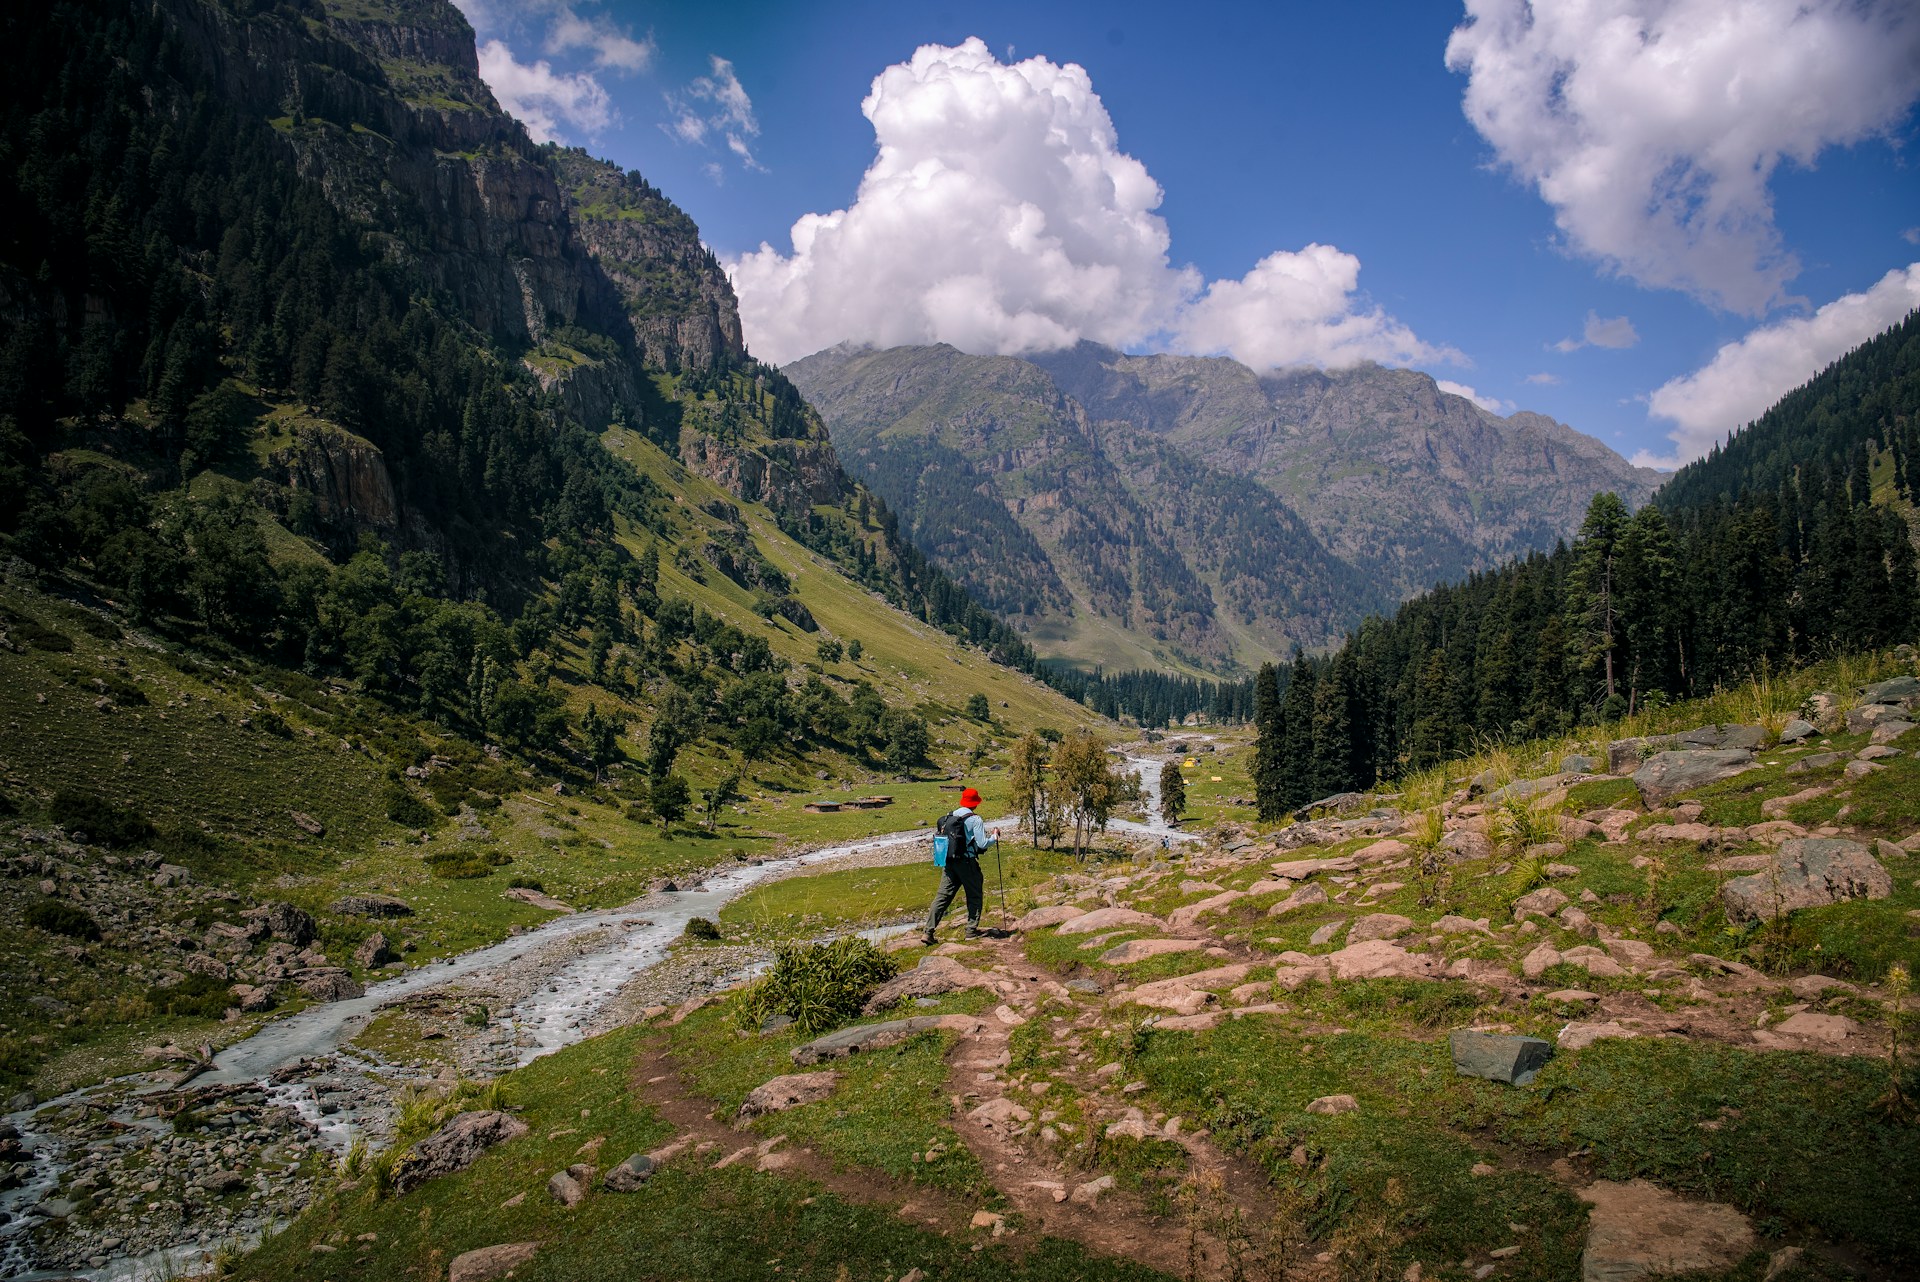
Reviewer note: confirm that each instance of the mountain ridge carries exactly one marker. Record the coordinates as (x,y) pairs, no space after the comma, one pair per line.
(1192,511)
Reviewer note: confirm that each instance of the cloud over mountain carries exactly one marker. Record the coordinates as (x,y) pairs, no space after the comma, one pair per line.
(1000,215)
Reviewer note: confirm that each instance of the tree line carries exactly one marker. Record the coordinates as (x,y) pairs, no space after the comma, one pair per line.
(1790,543)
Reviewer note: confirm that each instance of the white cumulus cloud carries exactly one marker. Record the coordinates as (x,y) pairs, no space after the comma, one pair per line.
(715,104)
(1491,404)
(543,99)
(1000,215)
(1745,377)
(1653,127)
(1542,379)
(1601,331)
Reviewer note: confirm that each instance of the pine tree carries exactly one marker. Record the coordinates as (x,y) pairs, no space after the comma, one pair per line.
(1592,588)
(1269,762)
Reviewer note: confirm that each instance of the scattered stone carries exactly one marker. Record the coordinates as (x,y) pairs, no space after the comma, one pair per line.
(1808,872)
(1888,731)
(866,1037)
(569,1187)
(1543,902)
(1894,690)
(1109,919)
(1378,959)
(1311,893)
(292,924)
(1578,1036)
(1452,924)
(1832,1029)
(328,984)
(1536,963)
(1325,934)
(454,1147)
(932,977)
(1572,995)
(1089,1193)
(1333,1105)
(1577,921)
(789,1091)
(1378,926)
(1498,1058)
(307,823)
(491,1263)
(629,1175)
(1639,1230)
(1796,730)
(375,951)
(1810,988)
(1141,949)
(1185,916)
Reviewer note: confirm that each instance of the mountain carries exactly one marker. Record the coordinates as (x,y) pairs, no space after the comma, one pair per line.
(1140,509)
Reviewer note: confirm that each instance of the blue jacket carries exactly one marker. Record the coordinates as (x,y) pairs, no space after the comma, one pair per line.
(978,838)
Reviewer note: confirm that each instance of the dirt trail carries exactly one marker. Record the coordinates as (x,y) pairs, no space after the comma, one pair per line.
(1002,1121)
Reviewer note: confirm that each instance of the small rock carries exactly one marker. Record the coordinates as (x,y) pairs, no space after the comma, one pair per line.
(789,1091)
(1498,1058)
(491,1263)
(1639,1230)
(1333,1105)
(568,1187)
(1578,1036)
(629,1175)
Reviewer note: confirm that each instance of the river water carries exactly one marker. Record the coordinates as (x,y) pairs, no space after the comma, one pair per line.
(614,946)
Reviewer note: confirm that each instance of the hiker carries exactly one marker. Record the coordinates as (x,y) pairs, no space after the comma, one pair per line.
(962,869)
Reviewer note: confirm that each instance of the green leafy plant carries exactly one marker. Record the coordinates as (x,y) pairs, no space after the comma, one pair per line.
(457,864)
(702,929)
(102,820)
(57,918)
(821,985)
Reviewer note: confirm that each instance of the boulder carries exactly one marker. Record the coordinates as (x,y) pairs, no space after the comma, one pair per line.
(293,924)
(1381,851)
(1888,731)
(1810,988)
(1378,959)
(1110,919)
(1135,950)
(1051,915)
(865,1037)
(1175,995)
(1454,924)
(1579,765)
(1796,730)
(932,977)
(1808,872)
(1832,1029)
(1593,961)
(1311,893)
(1524,788)
(1300,869)
(1465,844)
(491,1263)
(1378,926)
(1334,1105)
(1498,1058)
(1639,1230)
(307,823)
(252,999)
(1900,690)
(789,1091)
(374,951)
(1339,803)
(328,984)
(1544,902)
(1536,963)
(1577,921)
(569,1187)
(1668,774)
(629,1175)
(454,1146)
(370,906)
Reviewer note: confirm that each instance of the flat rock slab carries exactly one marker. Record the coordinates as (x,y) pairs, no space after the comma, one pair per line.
(932,977)
(1639,1230)
(630,1174)
(1807,872)
(1306,896)
(491,1263)
(1334,1105)
(866,1037)
(1578,1035)
(1378,926)
(1186,915)
(1665,775)
(1052,915)
(1498,1058)
(538,899)
(1110,919)
(1295,869)
(1176,995)
(1378,959)
(455,1146)
(1141,949)
(789,1091)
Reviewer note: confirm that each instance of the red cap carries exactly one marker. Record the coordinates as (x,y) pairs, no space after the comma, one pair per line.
(970,798)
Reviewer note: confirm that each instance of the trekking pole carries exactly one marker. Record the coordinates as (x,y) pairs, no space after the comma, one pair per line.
(1000,875)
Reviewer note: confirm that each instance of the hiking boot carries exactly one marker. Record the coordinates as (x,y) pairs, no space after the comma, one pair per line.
(974,932)
(927,939)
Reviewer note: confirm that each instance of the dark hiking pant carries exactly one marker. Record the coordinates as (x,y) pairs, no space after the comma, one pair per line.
(960,874)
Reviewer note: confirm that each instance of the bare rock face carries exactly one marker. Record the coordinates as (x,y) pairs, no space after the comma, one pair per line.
(1639,1230)
(1110,919)
(788,1091)
(1665,775)
(454,1146)
(1807,873)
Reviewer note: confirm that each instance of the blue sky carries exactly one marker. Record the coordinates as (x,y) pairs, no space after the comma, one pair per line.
(1646,218)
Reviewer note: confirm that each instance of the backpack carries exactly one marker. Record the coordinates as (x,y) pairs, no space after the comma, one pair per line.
(950,839)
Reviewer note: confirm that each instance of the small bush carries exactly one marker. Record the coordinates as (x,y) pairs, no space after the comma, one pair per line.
(102,820)
(527,883)
(57,918)
(408,810)
(497,858)
(701,928)
(457,865)
(38,636)
(196,996)
(822,986)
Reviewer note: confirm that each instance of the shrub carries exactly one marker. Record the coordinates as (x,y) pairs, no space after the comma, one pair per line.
(701,928)
(196,996)
(456,865)
(408,810)
(822,986)
(497,858)
(57,918)
(527,883)
(102,820)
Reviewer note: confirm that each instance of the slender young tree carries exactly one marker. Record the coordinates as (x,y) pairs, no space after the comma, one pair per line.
(1592,588)
(1173,792)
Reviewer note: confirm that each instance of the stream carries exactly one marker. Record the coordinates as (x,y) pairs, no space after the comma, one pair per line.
(299,1072)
